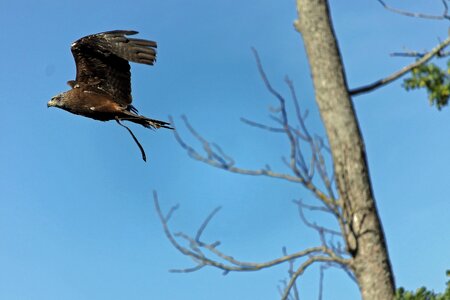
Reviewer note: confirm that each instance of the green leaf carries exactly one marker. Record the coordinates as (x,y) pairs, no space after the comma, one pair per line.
(434,80)
(423,294)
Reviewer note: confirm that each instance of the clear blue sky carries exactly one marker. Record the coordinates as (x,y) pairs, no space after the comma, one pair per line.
(76,213)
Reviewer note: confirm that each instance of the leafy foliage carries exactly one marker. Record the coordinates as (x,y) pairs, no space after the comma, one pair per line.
(423,294)
(434,79)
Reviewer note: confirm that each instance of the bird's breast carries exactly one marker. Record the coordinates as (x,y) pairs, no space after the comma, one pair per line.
(93,105)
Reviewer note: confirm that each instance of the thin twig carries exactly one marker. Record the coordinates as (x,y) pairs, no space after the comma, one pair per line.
(167,231)
(284,118)
(320,229)
(262,126)
(205,223)
(321,279)
(317,159)
(187,270)
(313,207)
(317,145)
(291,273)
(301,119)
(301,270)
(418,15)
(171,211)
(440,54)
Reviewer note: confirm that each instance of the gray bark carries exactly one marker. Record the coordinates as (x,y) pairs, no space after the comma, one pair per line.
(363,234)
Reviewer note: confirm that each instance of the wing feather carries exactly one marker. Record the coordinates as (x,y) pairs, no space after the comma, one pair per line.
(102,61)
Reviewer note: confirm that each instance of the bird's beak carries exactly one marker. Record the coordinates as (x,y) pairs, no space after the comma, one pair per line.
(51,103)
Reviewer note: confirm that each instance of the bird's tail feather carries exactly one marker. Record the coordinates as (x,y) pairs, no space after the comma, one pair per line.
(146,122)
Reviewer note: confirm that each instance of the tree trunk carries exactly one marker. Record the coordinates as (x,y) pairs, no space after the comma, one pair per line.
(364,235)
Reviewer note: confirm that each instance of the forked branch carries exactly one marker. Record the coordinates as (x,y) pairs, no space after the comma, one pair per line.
(208,254)
(308,164)
(303,169)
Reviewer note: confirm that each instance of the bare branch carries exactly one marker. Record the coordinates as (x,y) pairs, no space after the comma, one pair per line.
(303,168)
(217,160)
(301,119)
(205,223)
(303,171)
(313,207)
(222,154)
(443,16)
(409,54)
(187,270)
(291,273)
(400,73)
(264,77)
(284,119)
(321,230)
(165,226)
(317,145)
(262,126)
(440,54)
(321,278)
(347,271)
(231,264)
(171,211)
(301,270)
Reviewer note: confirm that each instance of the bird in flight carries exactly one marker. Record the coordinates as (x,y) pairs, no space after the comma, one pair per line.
(102,88)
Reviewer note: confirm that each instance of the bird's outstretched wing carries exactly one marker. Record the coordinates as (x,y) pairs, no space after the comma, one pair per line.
(102,62)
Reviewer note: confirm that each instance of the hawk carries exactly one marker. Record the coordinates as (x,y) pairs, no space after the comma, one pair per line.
(102,87)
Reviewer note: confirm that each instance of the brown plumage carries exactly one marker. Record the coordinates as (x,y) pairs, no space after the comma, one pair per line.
(102,88)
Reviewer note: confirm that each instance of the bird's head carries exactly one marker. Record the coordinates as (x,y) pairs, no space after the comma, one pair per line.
(56,101)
